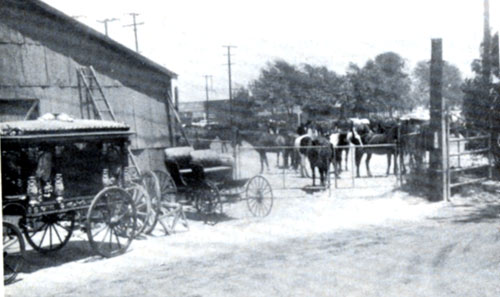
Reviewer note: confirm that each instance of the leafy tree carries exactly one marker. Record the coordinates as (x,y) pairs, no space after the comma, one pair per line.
(276,88)
(394,85)
(452,84)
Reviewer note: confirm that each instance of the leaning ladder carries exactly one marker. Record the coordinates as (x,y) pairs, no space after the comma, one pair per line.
(92,98)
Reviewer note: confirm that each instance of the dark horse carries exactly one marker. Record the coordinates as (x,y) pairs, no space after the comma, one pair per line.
(263,143)
(320,155)
(377,143)
(319,151)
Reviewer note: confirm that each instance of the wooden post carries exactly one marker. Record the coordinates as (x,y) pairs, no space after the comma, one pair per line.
(438,161)
(169,118)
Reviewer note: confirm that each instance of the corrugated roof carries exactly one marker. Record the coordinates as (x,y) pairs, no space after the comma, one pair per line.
(56,14)
(57,126)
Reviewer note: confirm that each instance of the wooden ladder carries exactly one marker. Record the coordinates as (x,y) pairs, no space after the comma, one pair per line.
(92,95)
(92,98)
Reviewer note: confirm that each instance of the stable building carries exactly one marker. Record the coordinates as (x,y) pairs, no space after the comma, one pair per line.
(41,52)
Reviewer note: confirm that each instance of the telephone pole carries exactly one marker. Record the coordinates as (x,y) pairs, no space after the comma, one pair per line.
(230,85)
(206,92)
(135,24)
(105,22)
(486,62)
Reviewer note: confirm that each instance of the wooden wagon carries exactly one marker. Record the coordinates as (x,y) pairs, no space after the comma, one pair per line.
(61,174)
(205,179)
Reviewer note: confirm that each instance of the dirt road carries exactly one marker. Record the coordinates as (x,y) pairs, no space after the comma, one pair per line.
(383,243)
(364,241)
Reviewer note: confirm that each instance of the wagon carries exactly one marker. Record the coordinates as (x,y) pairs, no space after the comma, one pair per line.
(61,174)
(206,180)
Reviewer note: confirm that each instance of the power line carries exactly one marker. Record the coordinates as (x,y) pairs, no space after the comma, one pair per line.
(135,24)
(105,22)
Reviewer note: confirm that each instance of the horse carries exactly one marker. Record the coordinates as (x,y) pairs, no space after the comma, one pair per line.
(341,142)
(319,151)
(370,139)
(287,151)
(300,145)
(413,142)
(263,143)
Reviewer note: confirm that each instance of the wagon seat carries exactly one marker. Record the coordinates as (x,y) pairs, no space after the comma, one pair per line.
(187,166)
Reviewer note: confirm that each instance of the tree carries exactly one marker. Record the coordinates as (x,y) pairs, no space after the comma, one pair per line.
(394,85)
(452,84)
(276,88)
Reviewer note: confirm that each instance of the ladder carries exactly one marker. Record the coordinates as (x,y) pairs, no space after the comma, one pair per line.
(92,97)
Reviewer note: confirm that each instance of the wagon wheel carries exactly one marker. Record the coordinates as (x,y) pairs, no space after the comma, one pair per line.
(169,211)
(111,222)
(208,202)
(259,196)
(13,252)
(143,207)
(151,183)
(49,233)
(168,189)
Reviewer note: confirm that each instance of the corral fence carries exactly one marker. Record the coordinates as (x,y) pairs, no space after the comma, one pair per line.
(286,178)
(467,159)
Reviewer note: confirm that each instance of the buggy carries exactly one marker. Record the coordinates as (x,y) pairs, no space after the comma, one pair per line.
(206,180)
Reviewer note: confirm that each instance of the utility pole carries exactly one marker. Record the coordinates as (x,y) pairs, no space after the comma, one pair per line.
(135,24)
(230,85)
(206,92)
(105,22)
(486,43)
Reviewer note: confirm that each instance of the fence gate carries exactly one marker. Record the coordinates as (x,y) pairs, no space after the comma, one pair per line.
(469,158)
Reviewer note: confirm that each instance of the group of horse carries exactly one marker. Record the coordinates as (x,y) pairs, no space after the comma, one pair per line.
(322,150)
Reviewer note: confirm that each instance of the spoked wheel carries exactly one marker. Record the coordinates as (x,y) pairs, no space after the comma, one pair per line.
(49,233)
(259,196)
(168,189)
(151,183)
(169,212)
(111,222)
(208,202)
(13,252)
(143,207)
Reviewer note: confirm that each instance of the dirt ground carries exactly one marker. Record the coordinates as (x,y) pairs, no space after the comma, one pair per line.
(370,240)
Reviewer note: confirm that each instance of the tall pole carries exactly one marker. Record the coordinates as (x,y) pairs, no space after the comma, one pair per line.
(105,22)
(206,92)
(486,43)
(135,24)
(438,158)
(229,80)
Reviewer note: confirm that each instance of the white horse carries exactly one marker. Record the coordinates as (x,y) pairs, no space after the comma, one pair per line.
(301,152)
(343,142)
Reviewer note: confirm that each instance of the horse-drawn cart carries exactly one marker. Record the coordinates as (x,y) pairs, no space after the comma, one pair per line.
(205,179)
(62,174)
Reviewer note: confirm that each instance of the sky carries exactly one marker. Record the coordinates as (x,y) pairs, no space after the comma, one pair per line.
(188,37)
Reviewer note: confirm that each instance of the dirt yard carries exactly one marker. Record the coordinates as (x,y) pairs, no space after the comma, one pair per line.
(371,240)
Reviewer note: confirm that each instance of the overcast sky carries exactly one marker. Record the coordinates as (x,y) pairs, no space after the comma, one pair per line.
(187,36)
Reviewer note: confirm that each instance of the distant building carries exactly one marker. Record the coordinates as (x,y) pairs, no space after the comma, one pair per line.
(41,49)
(195,111)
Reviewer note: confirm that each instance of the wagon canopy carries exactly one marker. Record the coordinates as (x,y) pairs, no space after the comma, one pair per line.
(53,129)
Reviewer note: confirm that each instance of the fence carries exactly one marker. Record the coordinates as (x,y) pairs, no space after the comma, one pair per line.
(468,160)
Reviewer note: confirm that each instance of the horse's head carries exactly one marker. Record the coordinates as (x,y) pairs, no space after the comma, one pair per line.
(354,138)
